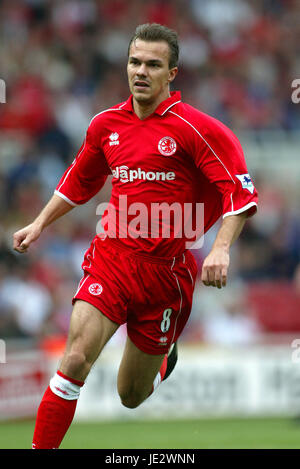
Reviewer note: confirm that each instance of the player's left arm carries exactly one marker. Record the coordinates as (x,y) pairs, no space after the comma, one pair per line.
(216,264)
(219,156)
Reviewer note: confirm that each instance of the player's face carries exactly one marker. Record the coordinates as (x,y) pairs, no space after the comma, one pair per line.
(148,71)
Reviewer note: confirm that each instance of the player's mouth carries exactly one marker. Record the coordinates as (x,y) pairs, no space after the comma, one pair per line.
(141,85)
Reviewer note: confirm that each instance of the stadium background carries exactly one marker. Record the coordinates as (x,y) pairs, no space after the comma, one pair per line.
(65,61)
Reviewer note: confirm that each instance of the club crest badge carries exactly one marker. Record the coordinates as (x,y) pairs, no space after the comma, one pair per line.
(95,289)
(167,146)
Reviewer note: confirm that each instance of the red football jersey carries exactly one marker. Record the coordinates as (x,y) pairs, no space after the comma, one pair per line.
(163,168)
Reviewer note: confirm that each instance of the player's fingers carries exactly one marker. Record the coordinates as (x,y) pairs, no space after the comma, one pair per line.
(204,276)
(21,249)
(208,276)
(17,240)
(224,276)
(212,277)
(218,281)
(26,243)
(21,242)
(215,277)
(221,278)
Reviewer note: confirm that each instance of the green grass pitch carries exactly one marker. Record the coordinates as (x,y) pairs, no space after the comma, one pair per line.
(250,433)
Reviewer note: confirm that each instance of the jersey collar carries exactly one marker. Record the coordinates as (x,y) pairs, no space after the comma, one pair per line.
(162,108)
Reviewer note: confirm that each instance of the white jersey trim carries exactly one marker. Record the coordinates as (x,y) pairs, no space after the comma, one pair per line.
(181,300)
(62,196)
(72,166)
(75,160)
(192,280)
(201,136)
(107,110)
(171,105)
(81,283)
(240,210)
(232,206)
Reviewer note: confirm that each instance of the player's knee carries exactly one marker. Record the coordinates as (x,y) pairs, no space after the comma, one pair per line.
(131,402)
(76,364)
(131,399)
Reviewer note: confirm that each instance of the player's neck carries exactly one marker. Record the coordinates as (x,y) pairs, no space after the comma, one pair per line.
(145,109)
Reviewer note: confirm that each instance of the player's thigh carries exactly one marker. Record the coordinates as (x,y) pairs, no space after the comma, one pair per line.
(137,371)
(89,331)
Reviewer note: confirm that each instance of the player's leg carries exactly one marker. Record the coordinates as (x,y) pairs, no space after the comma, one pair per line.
(137,374)
(150,353)
(88,333)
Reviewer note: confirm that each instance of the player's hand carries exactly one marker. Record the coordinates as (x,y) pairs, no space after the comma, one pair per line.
(215,268)
(24,237)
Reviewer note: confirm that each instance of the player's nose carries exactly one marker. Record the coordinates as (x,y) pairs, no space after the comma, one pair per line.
(141,71)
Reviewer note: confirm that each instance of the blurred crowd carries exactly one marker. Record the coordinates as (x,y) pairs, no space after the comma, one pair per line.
(63,61)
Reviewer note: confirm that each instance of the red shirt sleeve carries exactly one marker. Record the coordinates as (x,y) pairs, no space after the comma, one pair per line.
(219,156)
(88,172)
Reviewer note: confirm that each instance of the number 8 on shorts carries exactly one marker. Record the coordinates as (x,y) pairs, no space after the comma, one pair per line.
(166,322)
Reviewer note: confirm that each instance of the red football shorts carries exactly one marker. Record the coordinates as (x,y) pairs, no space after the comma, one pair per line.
(153,296)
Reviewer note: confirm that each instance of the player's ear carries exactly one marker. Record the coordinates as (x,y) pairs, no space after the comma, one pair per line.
(172,74)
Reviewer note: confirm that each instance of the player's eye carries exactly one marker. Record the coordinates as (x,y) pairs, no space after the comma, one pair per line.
(133,62)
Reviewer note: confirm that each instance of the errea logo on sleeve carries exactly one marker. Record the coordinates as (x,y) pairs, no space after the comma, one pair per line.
(114,139)
(246,182)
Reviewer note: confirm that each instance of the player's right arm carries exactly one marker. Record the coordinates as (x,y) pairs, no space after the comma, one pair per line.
(80,182)
(55,208)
